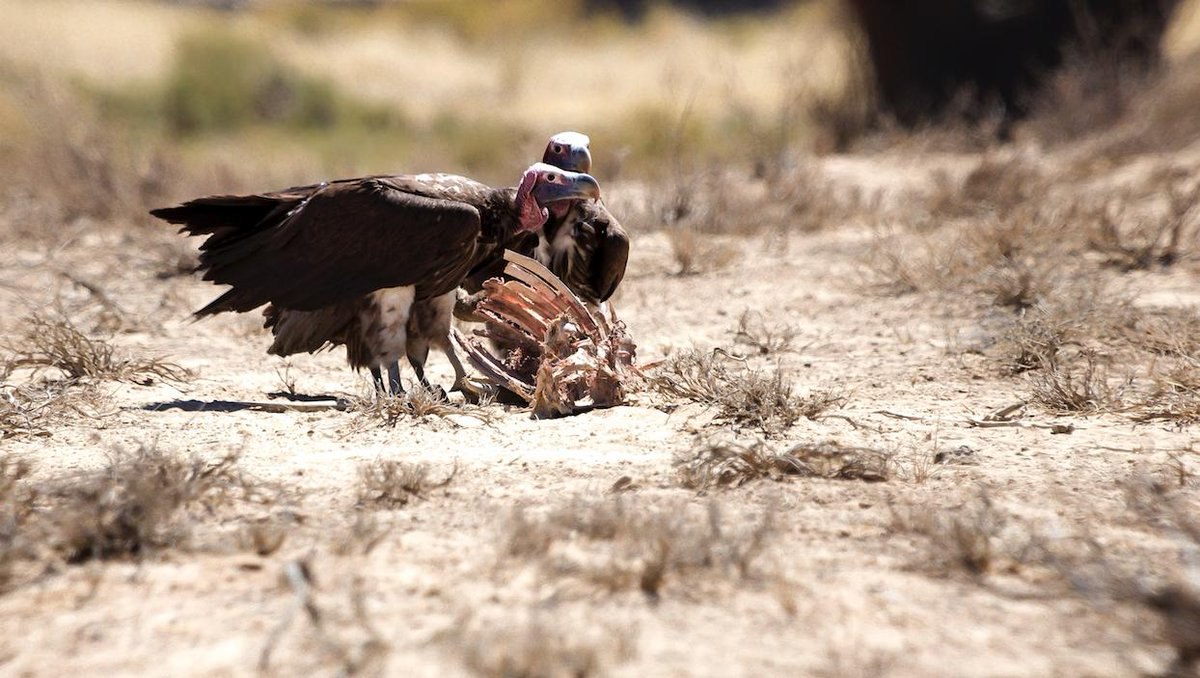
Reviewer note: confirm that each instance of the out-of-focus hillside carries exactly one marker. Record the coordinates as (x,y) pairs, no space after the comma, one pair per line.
(291,91)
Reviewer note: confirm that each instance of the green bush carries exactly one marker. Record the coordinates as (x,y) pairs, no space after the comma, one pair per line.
(222,81)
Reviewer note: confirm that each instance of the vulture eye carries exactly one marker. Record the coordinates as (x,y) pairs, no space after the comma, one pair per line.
(556,148)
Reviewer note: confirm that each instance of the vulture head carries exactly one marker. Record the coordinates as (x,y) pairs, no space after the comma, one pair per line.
(569,150)
(543,185)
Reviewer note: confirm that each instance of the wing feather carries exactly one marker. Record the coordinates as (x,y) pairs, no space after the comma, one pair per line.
(325,244)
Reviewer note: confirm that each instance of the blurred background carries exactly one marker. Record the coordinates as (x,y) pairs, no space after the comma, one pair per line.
(108,107)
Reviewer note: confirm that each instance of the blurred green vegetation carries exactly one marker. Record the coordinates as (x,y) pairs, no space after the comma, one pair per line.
(239,102)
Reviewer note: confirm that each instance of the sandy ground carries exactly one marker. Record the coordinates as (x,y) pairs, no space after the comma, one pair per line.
(840,587)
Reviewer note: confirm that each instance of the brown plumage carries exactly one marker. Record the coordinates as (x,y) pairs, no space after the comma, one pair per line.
(578,228)
(361,251)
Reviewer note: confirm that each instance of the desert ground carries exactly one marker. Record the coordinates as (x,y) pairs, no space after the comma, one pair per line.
(927,407)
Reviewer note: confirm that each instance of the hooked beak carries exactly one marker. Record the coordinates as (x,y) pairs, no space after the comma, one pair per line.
(580,159)
(577,186)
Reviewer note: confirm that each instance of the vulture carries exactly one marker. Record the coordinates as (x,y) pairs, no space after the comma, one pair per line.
(581,242)
(579,228)
(359,261)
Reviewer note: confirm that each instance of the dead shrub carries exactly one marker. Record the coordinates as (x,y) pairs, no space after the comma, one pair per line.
(58,344)
(1167,332)
(740,394)
(764,337)
(1174,395)
(419,403)
(1071,388)
(384,483)
(619,544)
(1033,342)
(999,184)
(695,253)
(130,509)
(361,535)
(732,465)
(29,409)
(538,642)
(1132,239)
(978,537)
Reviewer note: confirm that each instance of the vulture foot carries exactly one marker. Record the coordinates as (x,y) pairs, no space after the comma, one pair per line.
(392,385)
(554,354)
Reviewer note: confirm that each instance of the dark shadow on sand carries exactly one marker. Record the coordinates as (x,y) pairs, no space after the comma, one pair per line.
(309,404)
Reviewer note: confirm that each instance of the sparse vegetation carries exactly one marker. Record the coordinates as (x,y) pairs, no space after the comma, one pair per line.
(732,465)
(385,483)
(56,343)
(619,544)
(133,508)
(1084,390)
(419,403)
(1056,272)
(740,394)
(978,537)
(763,336)
(538,642)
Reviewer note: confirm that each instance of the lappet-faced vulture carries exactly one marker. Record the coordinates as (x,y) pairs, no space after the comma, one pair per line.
(576,224)
(581,242)
(358,253)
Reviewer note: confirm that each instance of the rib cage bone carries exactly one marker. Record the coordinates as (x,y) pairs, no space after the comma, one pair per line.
(546,345)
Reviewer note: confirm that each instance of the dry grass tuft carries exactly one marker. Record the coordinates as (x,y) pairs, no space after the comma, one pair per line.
(418,403)
(621,545)
(1174,395)
(763,337)
(1130,238)
(58,344)
(695,253)
(978,537)
(539,642)
(28,409)
(385,483)
(129,509)
(744,396)
(1064,388)
(731,465)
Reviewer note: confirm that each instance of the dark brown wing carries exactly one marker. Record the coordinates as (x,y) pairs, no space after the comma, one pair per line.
(588,249)
(612,255)
(323,245)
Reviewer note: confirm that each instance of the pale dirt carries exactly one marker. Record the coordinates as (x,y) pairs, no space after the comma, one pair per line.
(838,590)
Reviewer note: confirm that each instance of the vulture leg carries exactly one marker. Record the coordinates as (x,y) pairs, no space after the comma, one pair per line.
(377,377)
(394,379)
(418,366)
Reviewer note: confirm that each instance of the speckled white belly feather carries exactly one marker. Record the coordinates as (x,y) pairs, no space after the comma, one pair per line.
(390,333)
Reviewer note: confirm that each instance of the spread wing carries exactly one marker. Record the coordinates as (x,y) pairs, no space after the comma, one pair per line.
(321,245)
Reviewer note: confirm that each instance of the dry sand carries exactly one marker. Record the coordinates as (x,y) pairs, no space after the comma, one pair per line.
(840,587)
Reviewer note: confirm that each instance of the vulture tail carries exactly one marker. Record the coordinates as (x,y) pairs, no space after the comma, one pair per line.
(309,331)
(220,213)
(229,220)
